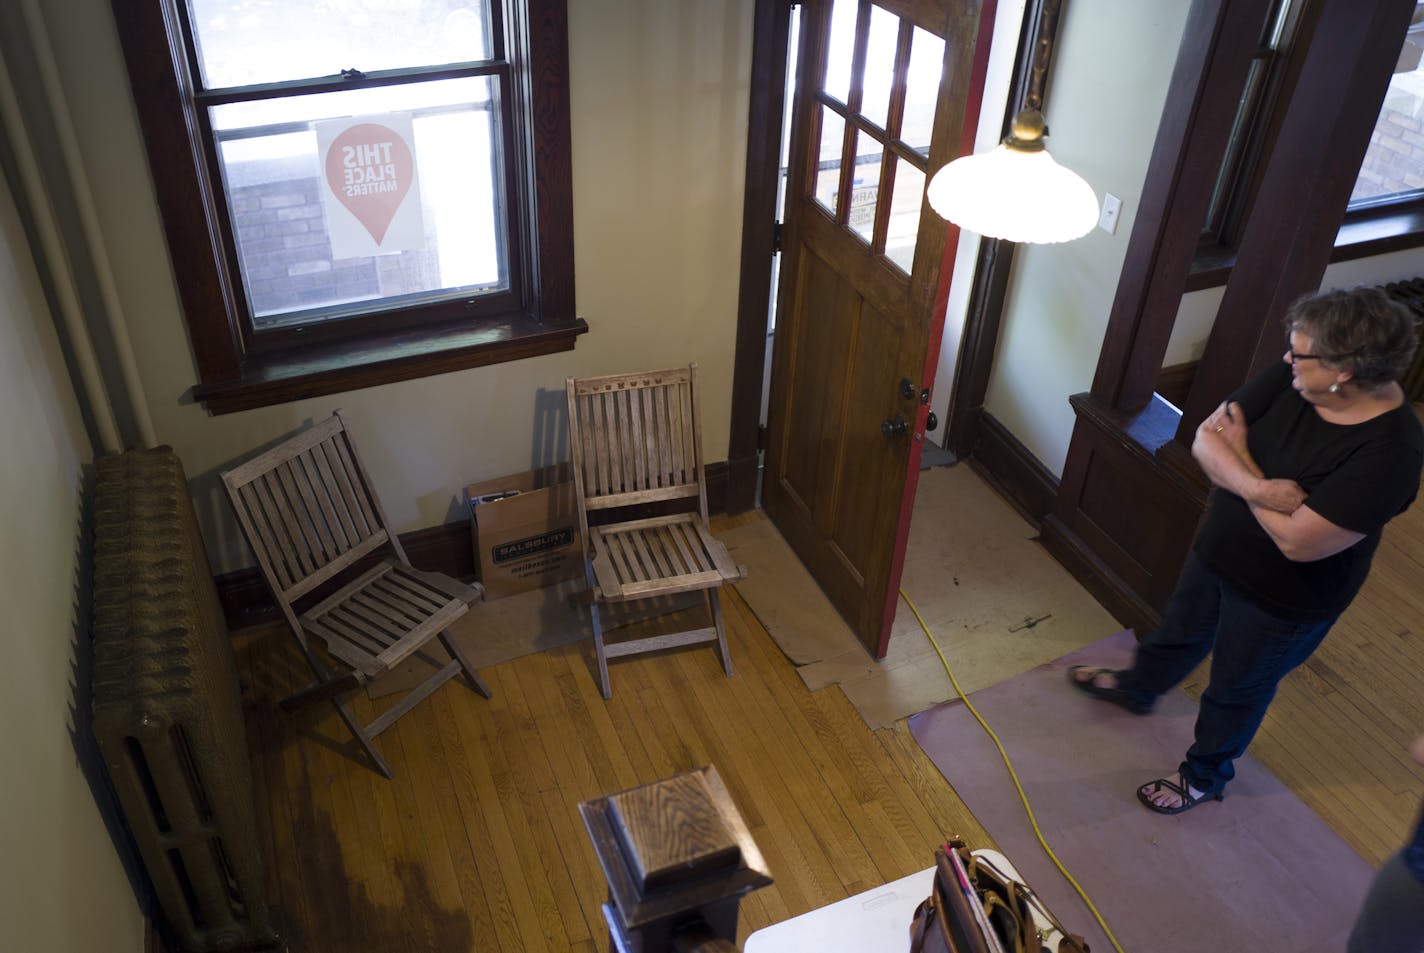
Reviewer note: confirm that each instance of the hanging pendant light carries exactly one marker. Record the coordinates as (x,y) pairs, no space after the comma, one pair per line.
(1016,191)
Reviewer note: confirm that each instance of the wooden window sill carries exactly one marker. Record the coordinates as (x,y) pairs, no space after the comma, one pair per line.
(319,370)
(1366,234)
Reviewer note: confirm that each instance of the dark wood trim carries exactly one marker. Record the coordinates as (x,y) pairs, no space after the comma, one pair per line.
(235,374)
(182,186)
(1012,469)
(1125,516)
(770,35)
(448,548)
(1094,575)
(1305,190)
(1218,43)
(1364,235)
(1021,479)
(280,377)
(977,344)
(979,339)
(552,159)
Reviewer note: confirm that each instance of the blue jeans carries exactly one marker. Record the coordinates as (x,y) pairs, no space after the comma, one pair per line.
(1392,918)
(1252,650)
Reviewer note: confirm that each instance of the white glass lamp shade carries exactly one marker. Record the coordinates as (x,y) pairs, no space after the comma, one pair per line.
(1015,193)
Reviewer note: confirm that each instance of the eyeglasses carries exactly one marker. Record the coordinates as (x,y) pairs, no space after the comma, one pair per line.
(1297,358)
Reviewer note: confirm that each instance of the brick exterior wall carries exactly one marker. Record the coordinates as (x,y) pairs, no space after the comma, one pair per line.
(281,234)
(1395,161)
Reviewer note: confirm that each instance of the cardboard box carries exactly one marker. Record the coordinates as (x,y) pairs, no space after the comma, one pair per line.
(526,530)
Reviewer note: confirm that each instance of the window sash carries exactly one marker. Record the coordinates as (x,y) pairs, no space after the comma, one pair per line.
(235,372)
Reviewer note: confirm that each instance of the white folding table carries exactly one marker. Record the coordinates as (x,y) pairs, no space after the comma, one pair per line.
(876,921)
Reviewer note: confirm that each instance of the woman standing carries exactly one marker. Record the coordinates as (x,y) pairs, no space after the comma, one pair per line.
(1309,460)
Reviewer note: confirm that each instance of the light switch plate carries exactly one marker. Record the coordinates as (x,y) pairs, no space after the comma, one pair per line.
(1112,208)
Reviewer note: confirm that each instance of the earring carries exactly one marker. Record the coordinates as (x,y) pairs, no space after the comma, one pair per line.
(1334,387)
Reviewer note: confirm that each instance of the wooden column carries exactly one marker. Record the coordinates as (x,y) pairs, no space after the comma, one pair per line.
(1309,176)
(678,858)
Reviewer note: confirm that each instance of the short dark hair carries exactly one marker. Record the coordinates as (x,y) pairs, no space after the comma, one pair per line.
(1360,330)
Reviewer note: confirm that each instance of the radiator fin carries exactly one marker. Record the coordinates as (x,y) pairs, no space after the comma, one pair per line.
(167,713)
(1411,294)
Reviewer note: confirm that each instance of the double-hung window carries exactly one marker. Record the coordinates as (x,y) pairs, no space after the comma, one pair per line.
(358,191)
(1386,208)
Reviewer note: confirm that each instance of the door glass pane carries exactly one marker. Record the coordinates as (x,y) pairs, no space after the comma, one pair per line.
(922,90)
(907,196)
(879,66)
(828,168)
(865,186)
(838,54)
(242,42)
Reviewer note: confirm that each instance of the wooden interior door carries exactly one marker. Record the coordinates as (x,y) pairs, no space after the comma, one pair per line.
(883,89)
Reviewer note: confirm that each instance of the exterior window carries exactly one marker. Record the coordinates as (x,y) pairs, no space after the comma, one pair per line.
(1249,130)
(1393,170)
(376,199)
(1386,210)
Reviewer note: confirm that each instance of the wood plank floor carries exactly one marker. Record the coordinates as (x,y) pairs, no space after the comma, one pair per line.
(477,844)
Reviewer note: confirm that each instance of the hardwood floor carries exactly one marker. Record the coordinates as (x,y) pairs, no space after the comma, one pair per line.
(476,845)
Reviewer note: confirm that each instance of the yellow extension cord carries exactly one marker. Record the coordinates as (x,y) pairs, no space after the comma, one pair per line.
(1012,774)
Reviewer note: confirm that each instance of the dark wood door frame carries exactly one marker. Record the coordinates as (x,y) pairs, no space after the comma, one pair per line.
(771,25)
(980,338)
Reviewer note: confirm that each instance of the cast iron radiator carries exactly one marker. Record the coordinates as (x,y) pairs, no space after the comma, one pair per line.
(1411,294)
(167,715)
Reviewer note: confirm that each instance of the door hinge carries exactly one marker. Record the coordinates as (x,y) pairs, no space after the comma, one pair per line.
(776,238)
(761,436)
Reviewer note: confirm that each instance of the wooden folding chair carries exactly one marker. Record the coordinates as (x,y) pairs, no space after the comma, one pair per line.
(636,440)
(310,515)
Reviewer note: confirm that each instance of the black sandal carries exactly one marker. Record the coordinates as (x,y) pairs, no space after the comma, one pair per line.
(1182,791)
(1115,695)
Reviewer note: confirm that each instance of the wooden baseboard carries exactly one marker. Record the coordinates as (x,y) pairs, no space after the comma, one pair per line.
(1114,595)
(740,485)
(1032,489)
(1012,469)
(448,548)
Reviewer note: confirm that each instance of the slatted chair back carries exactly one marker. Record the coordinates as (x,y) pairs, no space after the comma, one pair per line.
(637,438)
(307,510)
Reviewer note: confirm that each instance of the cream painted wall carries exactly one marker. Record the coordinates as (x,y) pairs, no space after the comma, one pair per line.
(54,849)
(660,93)
(1110,76)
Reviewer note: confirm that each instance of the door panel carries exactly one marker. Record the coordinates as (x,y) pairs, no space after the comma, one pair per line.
(880,104)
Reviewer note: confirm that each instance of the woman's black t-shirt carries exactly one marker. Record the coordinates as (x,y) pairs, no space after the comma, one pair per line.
(1357,476)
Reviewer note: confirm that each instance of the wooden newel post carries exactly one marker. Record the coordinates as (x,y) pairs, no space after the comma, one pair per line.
(678,858)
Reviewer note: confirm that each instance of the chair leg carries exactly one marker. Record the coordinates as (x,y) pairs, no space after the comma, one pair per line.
(459,655)
(359,733)
(325,684)
(602,656)
(721,631)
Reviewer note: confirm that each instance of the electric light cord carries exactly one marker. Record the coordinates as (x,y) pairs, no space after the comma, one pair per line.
(1043,842)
